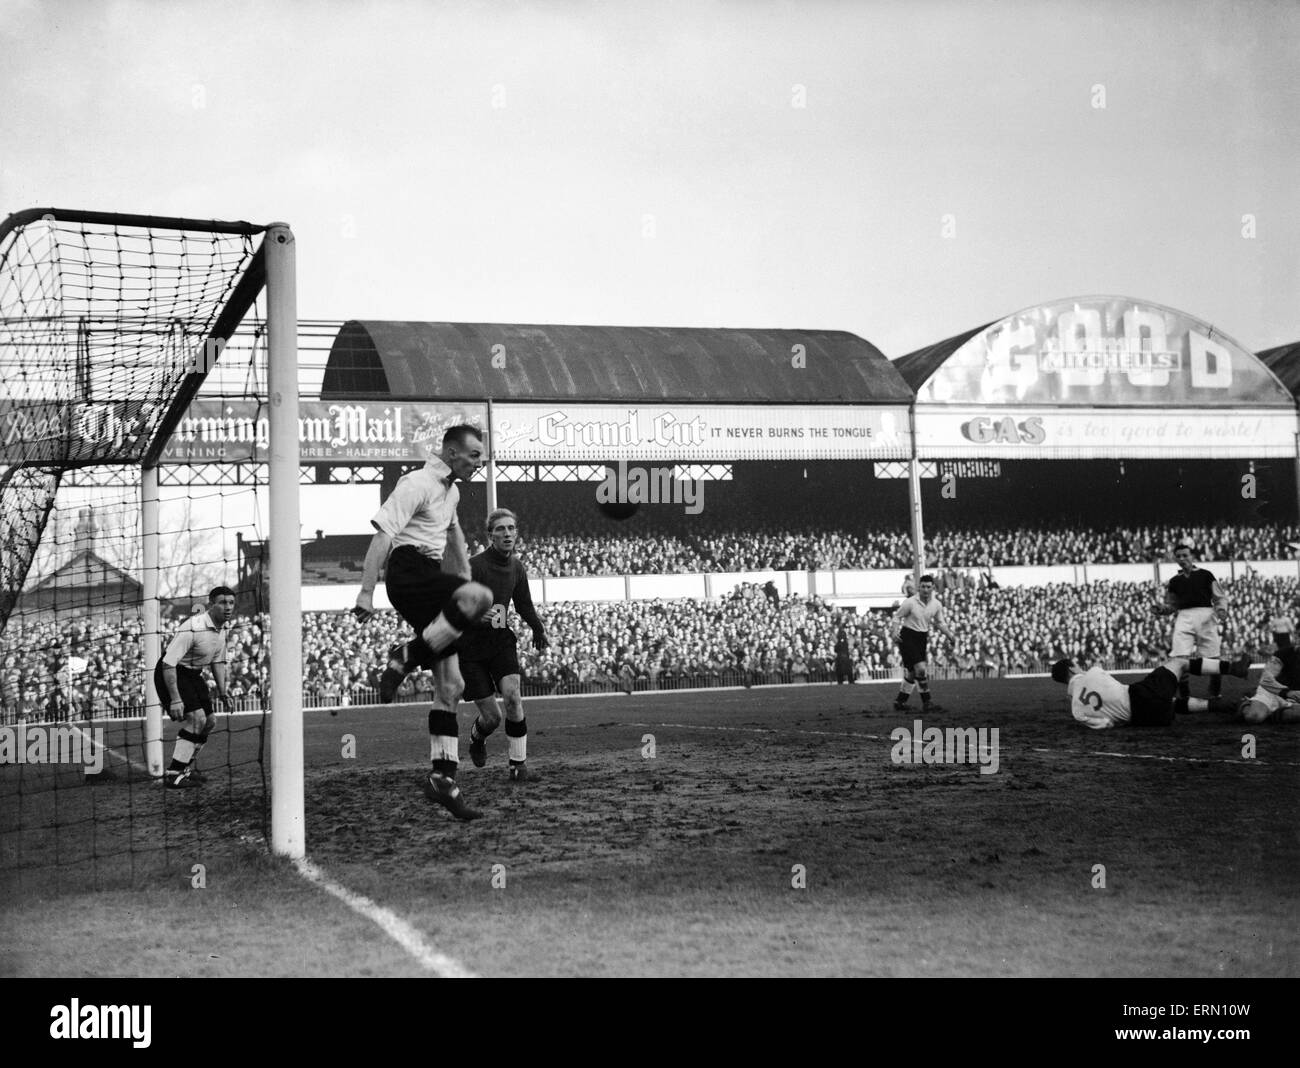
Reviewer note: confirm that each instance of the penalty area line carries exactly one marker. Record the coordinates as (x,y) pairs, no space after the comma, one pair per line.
(1170,759)
(389,922)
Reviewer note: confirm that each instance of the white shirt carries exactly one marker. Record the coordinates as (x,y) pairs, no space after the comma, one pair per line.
(917,615)
(1098,699)
(197,643)
(421,509)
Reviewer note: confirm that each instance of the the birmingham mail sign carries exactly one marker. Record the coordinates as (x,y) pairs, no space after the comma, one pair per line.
(1063,433)
(328,431)
(565,433)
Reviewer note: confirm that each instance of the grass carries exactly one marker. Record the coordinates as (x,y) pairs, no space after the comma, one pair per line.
(683,864)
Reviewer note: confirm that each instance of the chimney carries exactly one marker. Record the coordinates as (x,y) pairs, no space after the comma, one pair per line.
(87,528)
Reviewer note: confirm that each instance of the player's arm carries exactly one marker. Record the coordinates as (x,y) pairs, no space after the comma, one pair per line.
(376,554)
(523,598)
(1170,605)
(896,623)
(455,554)
(177,648)
(221,675)
(1218,598)
(941,621)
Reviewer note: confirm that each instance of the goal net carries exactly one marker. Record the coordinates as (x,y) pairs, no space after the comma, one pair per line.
(114,331)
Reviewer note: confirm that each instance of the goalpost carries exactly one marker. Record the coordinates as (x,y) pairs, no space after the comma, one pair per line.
(109,326)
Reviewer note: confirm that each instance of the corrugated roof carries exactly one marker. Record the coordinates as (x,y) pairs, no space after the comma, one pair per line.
(916,367)
(633,364)
(1284,361)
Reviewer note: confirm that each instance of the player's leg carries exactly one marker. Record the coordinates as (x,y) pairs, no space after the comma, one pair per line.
(480,690)
(1208,646)
(176,776)
(910,654)
(516,729)
(444,739)
(1182,647)
(438,606)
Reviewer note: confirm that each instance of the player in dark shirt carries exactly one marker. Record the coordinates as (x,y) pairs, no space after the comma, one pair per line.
(1195,598)
(488,651)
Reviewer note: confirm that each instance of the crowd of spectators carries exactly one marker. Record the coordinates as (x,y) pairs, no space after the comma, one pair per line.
(753,636)
(714,546)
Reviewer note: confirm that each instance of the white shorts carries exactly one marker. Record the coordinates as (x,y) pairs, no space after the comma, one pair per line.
(1196,633)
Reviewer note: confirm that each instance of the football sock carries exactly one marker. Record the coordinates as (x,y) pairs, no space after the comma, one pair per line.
(439,634)
(1197,704)
(1209,666)
(1216,685)
(518,735)
(183,752)
(444,742)
(1185,687)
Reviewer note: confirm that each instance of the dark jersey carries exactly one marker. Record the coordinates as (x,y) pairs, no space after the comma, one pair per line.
(507,578)
(1194,590)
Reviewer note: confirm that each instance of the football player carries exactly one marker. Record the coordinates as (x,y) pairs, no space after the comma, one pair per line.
(1195,599)
(1277,697)
(912,622)
(1099,700)
(489,658)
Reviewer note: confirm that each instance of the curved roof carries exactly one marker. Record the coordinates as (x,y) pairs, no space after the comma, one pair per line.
(594,364)
(1106,351)
(1284,361)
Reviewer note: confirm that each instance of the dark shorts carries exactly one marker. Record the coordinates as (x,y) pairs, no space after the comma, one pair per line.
(912,645)
(418,587)
(486,657)
(193,688)
(1151,701)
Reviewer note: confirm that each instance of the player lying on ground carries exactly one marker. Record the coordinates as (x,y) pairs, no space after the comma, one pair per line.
(427,580)
(1198,603)
(1099,700)
(1277,697)
(488,651)
(912,622)
(178,677)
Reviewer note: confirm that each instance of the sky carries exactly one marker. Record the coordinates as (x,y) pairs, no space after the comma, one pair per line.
(904,171)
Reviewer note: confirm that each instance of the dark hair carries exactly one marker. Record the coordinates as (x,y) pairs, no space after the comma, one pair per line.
(456,435)
(220,591)
(1061,670)
(928,578)
(1183,545)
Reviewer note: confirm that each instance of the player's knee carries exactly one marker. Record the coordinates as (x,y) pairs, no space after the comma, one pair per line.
(1254,712)
(488,713)
(908,677)
(473,599)
(919,671)
(514,706)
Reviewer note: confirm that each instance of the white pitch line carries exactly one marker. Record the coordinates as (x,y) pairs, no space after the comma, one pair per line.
(1177,759)
(113,752)
(389,922)
(880,738)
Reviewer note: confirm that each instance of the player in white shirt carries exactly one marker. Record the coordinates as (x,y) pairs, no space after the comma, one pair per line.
(199,642)
(1099,700)
(913,620)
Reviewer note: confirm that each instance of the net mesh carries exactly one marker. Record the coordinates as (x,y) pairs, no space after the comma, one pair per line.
(109,327)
